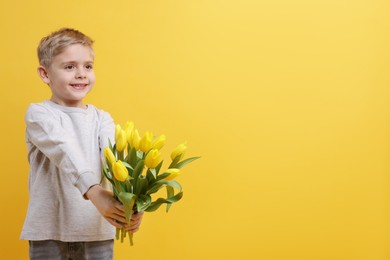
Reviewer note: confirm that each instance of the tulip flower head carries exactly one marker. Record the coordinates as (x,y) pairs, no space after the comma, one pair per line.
(152,158)
(110,157)
(129,129)
(179,151)
(146,142)
(159,142)
(120,171)
(135,139)
(120,138)
(173,173)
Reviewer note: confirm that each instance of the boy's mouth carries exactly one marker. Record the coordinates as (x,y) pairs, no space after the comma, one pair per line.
(79,86)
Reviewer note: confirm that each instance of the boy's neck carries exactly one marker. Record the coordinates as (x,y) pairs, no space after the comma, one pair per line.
(64,104)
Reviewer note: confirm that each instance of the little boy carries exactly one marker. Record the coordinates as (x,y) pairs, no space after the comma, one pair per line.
(70,216)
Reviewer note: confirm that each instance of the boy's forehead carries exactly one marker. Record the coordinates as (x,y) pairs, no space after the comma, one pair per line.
(75,52)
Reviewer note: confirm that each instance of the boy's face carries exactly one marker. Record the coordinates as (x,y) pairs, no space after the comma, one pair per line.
(70,75)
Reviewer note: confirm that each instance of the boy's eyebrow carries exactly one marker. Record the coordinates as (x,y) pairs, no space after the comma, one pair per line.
(71,61)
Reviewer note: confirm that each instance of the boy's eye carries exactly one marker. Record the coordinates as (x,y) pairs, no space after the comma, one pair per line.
(89,66)
(69,67)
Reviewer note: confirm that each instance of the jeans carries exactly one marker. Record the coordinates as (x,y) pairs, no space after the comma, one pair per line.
(58,250)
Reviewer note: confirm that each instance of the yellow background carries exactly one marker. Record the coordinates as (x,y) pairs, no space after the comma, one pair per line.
(287,102)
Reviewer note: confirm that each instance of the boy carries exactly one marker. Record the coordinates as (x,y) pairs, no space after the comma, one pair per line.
(70,216)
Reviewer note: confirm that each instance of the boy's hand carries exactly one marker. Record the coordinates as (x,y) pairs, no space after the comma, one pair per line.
(111,209)
(135,222)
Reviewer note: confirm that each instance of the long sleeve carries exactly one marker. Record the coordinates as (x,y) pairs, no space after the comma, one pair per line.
(45,131)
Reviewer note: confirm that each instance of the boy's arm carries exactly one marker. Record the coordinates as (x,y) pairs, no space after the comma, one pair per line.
(111,209)
(46,133)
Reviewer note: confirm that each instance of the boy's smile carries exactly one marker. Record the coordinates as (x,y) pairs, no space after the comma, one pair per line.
(70,75)
(79,86)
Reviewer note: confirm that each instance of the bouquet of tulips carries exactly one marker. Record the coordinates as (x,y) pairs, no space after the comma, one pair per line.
(133,166)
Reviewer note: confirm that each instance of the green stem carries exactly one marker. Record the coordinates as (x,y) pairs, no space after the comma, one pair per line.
(122,235)
(121,155)
(131,238)
(117,233)
(117,186)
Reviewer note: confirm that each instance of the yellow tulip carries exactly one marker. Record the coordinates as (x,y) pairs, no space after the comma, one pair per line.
(179,150)
(152,158)
(128,129)
(118,128)
(173,173)
(159,142)
(120,171)
(135,138)
(120,138)
(109,155)
(146,142)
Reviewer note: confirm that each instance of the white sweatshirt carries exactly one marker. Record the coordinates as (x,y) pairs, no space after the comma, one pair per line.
(65,147)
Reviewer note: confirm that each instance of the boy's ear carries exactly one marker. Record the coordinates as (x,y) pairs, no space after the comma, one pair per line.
(42,72)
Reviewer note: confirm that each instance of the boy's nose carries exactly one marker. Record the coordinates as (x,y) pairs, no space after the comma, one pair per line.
(80,74)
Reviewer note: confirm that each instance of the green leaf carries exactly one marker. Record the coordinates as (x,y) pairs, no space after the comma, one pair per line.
(104,176)
(163,176)
(156,204)
(132,157)
(152,178)
(143,202)
(116,194)
(105,167)
(110,144)
(129,188)
(184,162)
(127,165)
(104,173)
(137,171)
(174,162)
(159,167)
(149,176)
(107,176)
(154,173)
(120,186)
(161,183)
(170,193)
(176,198)
(144,185)
(140,154)
(141,186)
(128,148)
(127,200)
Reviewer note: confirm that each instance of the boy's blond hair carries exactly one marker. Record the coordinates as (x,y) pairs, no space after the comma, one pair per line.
(53,44)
